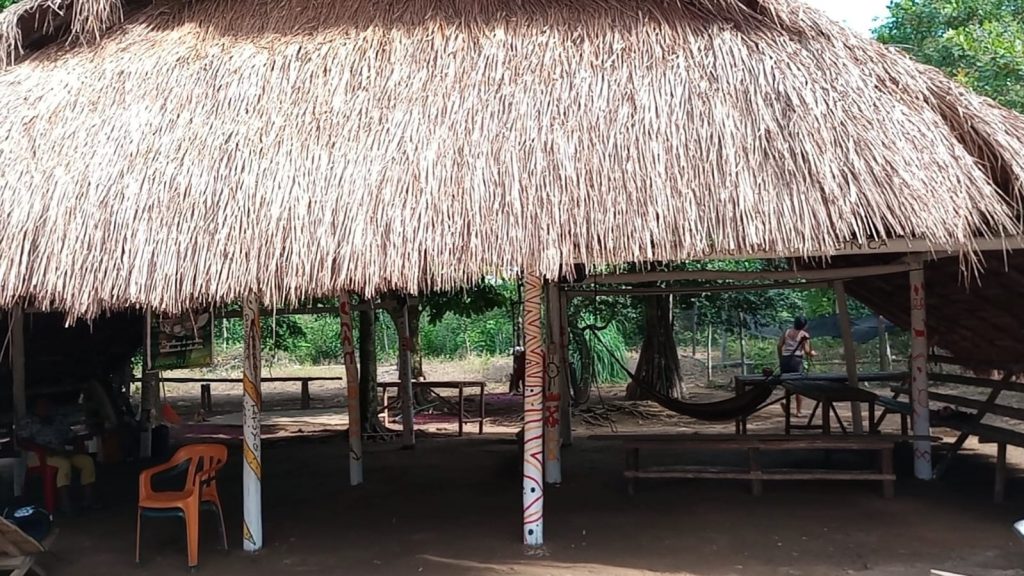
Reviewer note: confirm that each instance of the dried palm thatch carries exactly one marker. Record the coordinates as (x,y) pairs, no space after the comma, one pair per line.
(88,19)
(291,148)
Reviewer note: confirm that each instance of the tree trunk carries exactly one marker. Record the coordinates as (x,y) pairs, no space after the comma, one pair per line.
(421,397)
(658,366)
(369,400)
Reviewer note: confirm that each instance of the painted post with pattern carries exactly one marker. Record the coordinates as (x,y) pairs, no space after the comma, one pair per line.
(919,375)
(405,374)
(553,390)
(533,414)
(355,423)
(252,403)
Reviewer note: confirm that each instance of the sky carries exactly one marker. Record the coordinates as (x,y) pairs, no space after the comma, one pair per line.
(861,15)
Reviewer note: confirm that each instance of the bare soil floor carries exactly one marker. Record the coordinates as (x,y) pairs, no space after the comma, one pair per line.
(452,507)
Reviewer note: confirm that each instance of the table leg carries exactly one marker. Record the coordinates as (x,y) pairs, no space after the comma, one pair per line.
(462,409)
(786,402)
(826,417)
(757,484)
(304,404)
(888,484)
(1000,491)
(480,423)
(871,418)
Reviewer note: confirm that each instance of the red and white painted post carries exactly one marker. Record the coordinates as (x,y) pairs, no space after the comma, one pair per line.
(919,375)
(533,414)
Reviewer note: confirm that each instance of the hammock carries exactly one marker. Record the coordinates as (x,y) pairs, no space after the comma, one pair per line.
(726,410)
(729,409)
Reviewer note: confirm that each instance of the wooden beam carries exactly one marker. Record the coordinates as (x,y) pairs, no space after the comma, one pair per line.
(849,352)
(888,246)
(825,274)
(305,311)
(656,291)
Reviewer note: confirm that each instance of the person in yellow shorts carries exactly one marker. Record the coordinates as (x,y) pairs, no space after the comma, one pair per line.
(47,430)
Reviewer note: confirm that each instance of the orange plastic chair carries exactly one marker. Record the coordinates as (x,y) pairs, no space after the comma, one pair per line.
(200,463)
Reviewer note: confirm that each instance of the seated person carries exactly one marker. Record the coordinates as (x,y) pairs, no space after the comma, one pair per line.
(48,431)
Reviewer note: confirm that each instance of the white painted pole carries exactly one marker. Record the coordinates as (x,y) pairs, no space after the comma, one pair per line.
(252,402)
(17,319)
(919,375)
(849,352)
(533,415)
(405,374)
(355,423)
(553,391)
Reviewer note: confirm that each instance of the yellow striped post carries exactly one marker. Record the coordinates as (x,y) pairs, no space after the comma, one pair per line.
(252,402)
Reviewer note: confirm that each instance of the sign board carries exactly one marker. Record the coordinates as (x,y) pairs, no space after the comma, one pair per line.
(181,341)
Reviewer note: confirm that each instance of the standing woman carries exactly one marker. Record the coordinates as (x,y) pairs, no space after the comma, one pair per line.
(794,344)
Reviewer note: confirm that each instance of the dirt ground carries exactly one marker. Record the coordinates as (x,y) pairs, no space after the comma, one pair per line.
(452,507)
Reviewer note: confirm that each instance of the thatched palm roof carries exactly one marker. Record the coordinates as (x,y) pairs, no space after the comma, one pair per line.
(209,149)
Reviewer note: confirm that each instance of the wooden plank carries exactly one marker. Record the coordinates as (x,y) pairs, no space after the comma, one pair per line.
(746,440)
(973,363)
(977,382)
(766,475)
(989,434)
(973,404)
(873,377)
(970,427)
(796,444)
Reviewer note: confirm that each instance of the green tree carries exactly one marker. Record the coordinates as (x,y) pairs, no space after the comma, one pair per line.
(978,42)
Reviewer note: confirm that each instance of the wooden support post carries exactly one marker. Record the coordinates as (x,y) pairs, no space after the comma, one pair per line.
(17,318)
(566,367)
(405,374)
(693,333)
(533,414)
(304,400)
(884,351)
(252,404)
(553,388)
(710,329)
(849,352)
(148,403)
(919,376)
(355,423)
(743,344)
(206,397)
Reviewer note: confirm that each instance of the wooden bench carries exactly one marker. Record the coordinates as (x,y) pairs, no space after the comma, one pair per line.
(206,394)
(459,406)
(972,423)
(754,445)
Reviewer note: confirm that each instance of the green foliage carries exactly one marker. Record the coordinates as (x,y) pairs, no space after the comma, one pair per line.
(453,336)
(978,42)
(5,3)
(598,351)
(476,300)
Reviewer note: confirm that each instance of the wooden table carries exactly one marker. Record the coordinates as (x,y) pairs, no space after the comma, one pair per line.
(460,407)
(206,395)
(824,389)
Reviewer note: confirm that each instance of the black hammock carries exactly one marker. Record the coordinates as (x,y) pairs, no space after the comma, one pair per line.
(726,410)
